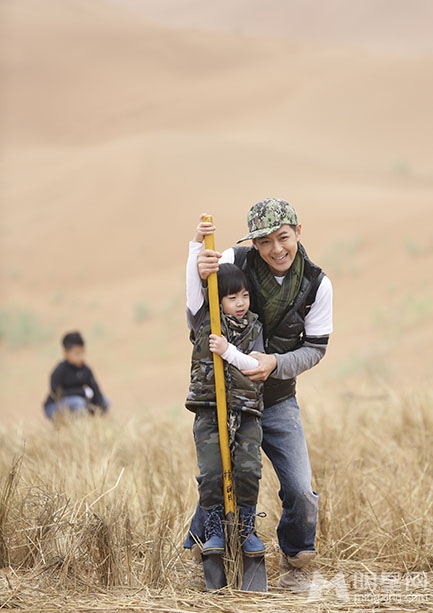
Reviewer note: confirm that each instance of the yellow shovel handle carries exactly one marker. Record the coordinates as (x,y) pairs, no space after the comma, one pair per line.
(220,388)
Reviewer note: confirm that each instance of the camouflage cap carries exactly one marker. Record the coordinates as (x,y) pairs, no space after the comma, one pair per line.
(267,216)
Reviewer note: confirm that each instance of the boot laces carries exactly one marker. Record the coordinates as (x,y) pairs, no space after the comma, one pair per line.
(213,522)
(248,521)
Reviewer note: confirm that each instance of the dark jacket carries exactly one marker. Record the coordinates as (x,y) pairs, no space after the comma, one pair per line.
(69,380)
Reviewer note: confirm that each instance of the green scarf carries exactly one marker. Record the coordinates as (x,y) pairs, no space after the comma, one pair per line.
(276,299)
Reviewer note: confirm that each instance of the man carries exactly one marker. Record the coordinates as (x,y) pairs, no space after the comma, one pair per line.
(293,299)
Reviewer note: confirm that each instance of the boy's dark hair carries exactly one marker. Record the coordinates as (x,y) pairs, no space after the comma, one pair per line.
(72,339)
(231,280)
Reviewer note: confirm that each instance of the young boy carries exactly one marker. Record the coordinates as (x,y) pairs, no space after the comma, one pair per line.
(73,386)
(242,334)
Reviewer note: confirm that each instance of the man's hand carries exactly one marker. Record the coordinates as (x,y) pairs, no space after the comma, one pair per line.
(268,363)
(207,263)
(218,344)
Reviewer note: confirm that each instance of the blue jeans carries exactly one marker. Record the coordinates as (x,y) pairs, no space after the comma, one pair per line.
(74,404)
(284,444)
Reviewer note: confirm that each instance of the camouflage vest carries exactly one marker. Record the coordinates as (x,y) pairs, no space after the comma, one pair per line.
(288,333)
(242,393)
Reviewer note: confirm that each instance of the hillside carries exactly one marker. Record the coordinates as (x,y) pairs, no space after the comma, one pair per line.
(120,126)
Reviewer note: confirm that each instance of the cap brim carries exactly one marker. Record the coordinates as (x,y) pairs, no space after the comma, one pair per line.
(258,234)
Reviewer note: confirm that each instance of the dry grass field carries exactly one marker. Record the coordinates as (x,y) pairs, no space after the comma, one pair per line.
(121,122)
(93,514)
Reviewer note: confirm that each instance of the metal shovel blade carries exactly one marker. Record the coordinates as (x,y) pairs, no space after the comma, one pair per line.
(214,573)
(254,578)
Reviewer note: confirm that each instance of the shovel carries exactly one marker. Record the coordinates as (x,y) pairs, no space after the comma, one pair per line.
(254,576)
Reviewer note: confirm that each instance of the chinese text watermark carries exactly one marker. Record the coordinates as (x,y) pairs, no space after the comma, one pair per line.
(371,587)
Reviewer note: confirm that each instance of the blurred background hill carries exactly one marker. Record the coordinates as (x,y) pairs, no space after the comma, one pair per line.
(122,121)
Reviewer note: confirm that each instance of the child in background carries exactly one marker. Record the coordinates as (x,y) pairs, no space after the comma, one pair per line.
(242,334)
(72,385)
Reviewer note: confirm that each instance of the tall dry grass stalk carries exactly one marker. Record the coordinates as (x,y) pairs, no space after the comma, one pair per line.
(102,506)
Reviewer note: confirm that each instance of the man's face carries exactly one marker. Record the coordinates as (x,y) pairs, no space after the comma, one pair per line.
(279,248)
(75,355)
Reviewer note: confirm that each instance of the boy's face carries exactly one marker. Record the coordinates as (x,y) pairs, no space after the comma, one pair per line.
(279,248)
(75,355)
(236,304)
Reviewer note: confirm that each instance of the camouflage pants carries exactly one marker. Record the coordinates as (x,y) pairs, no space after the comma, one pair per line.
(245,456)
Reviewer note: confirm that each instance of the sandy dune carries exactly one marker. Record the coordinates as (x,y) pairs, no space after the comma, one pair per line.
(120,125)
(395,25)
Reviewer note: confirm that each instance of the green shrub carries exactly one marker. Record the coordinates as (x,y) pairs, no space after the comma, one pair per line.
(21,327)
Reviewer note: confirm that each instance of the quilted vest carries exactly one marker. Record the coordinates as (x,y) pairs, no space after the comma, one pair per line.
(242,393)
